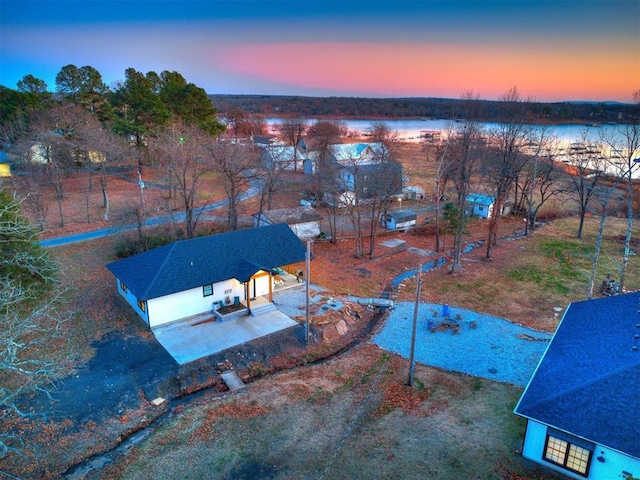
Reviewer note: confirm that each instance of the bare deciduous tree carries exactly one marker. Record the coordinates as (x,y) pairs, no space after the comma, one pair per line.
(234,165)
(321,135)
(603,195)
(626,147)
(384,178)
(465,148)
(270,174)
(30,317)
(184,151)
(503,166)
(541,176)
(585,169)
(293,131)
(441,177)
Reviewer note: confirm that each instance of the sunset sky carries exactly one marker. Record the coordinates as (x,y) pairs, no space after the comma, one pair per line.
(550,50)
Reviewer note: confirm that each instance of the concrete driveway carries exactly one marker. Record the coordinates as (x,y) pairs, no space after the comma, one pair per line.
(190,340)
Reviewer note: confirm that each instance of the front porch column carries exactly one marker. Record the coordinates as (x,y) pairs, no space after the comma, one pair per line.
(247,295)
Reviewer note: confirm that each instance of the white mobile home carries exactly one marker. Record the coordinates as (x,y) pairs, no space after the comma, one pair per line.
(399,219)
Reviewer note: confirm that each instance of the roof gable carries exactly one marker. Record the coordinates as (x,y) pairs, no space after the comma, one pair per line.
(187,264)
(359,152)
(281,153)
(588,381)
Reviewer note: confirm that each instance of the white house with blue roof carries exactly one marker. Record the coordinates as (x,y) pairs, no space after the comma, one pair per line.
(582,403)
(189,277)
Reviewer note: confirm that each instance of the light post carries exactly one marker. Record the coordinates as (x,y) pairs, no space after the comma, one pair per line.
(414,326)
(400,200)
(307,274)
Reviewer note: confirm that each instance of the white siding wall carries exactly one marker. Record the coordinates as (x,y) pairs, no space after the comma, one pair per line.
(261,286)
(183,304)
(613,466)
(389,222)
(482,211)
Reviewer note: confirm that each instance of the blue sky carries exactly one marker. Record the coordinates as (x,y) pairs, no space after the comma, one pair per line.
(551,50)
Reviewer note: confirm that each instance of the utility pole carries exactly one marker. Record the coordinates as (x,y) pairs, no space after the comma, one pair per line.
(415,324)
(306,274)
(141,183)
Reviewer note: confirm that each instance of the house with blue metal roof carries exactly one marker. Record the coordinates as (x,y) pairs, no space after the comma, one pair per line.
(189,277)
(582,403)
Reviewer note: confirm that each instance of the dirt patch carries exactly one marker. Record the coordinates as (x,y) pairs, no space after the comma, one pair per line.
(351,417)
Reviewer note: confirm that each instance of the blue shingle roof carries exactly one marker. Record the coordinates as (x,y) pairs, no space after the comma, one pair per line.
(588,382)
(200,261)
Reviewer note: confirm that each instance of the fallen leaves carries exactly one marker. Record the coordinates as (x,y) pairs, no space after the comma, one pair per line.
(233,410)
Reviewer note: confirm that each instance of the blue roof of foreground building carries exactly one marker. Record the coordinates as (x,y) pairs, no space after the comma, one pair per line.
(588,381)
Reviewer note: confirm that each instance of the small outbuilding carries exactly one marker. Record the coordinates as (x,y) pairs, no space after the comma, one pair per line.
(480,205)
(399,219)
(303,220)
(413,192)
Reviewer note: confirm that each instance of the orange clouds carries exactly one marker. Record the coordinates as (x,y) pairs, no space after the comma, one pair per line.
(547,72)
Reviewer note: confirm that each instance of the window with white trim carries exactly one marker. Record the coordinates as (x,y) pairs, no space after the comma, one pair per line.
(568,451)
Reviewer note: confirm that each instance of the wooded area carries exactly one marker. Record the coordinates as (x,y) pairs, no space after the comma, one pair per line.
(387,108)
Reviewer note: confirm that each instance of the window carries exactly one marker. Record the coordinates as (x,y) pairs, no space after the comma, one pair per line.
(142,305)
(207,290)
(568,451)
(123,287)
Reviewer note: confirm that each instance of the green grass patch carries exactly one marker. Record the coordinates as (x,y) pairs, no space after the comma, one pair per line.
(562,263)
(526,273)
(569,256)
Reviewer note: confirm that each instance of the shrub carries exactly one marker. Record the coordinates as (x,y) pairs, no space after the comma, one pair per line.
(126,245)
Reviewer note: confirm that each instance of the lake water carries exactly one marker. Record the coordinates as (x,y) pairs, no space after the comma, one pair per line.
(413,130)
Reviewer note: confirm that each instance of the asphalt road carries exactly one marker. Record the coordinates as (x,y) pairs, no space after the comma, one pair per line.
(151,222)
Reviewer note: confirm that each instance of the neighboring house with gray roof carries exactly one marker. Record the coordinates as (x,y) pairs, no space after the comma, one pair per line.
(188,277)
(582,404)
(303,220)
(282,157)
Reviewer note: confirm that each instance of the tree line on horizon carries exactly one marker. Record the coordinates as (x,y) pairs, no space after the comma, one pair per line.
(390,108)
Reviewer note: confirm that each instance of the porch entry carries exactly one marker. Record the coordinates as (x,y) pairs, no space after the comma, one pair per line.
(259,285)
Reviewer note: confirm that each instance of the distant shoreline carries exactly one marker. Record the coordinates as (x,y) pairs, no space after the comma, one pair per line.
(395,109)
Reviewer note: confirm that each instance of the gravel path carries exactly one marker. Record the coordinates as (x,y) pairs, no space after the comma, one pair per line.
(486,346)
(292,301)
